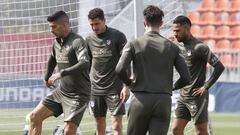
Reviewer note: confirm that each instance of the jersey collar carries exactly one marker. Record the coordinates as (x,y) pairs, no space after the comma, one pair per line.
(62,41)
(104,33)
(152,33)
(189,41)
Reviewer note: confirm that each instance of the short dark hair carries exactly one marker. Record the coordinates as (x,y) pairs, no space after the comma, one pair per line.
(183,20)
(59,15)
(153,15)
(96,13)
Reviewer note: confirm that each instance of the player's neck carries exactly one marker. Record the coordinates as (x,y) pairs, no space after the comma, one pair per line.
(152,29)
(187,38)
(66,33)
(104,29)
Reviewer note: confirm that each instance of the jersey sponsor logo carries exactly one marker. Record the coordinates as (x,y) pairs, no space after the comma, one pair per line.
(62,59)
(104,52)
(62,56)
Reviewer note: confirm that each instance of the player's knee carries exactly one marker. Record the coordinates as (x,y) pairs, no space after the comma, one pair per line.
(117,126)
(34,118)
(101,124)
(177,130)
(201,131)
(70,129)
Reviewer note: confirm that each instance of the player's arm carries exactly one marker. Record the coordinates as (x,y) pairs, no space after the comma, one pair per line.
(83,63)
(124,63)
(89,51)
(205,53)
(182,69)
(122,40)
(122,71)
(125,92)
(50,68)
(218,69)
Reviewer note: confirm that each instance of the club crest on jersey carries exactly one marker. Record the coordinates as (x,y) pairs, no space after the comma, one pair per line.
(189,53)
(108,42)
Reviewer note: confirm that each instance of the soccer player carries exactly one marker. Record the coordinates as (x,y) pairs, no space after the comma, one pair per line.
(193,101)
(154,58)
(107,92)
(70,54)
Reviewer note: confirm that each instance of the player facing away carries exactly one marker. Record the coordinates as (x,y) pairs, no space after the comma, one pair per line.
(107,92)
(193,101)
(69,53)
(154,58)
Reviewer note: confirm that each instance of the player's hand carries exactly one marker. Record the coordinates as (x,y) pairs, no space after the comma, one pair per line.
(199,91)
(53,78)
(172,38)
(49,85)
(125,93)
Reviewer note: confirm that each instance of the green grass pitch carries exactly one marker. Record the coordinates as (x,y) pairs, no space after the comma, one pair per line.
(12,122)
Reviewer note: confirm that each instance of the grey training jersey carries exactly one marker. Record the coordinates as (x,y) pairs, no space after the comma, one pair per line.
(153,59)
(67,54)
(196,55)
(105,50)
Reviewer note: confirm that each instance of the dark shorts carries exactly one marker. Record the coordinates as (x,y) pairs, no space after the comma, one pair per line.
(73,108)
(99,104)
(193,109)
(149,112)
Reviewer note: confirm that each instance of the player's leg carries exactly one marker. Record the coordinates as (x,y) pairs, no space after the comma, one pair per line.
(201,118)
(99,109)
(181,117)
(179,126)
(117,125)
(210,129)
(117,110)
(46,108)
(160,121)
(202,129)
(139,115)
(70,128)
(36,117)
(100,125)
(73,108)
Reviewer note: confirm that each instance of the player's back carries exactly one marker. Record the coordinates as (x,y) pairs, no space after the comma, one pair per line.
(153,63)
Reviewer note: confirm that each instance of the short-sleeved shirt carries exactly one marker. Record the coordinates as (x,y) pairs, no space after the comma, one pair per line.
(105,51)
(68,53)
(196,55)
